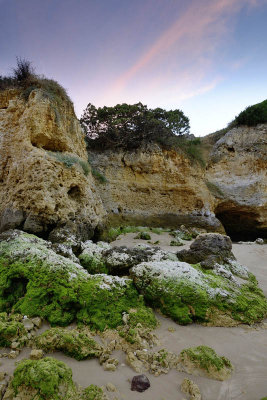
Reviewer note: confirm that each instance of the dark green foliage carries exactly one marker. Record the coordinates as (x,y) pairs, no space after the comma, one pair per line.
(251,116)
(206,358)
(47,376)
(129,126)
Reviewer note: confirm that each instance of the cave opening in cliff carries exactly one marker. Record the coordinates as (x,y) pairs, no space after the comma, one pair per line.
(240,224)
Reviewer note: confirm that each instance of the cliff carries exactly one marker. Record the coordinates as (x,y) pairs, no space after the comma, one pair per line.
(45,179)
(154,187)
(237,176)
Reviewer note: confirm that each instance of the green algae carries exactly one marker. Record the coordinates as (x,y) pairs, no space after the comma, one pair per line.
(93,392)
(206,358)
(51,379)
(35,281)
(11,329)
(191,296)
(79,345)
(93,264)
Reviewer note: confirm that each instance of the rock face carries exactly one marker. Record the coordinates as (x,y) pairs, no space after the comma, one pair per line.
(45,179)
(237,176)
(154,187)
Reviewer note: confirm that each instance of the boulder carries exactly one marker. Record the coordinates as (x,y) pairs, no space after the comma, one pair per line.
(187,293)
(36,281)
(140,383)
(208,249)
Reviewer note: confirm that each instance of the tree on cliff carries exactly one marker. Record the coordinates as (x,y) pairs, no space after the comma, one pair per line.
(130,125)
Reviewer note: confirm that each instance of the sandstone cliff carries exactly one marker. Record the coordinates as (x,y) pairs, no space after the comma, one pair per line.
(154,187)
(237,176)
(45,180)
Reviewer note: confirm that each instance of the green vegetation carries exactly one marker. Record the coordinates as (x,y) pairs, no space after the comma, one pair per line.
(131,126)
(176,243)
(35,281)
(97,175)
(205,357)
(25,78)
(11,329)
(251,116)
(79,345)
(112,233)
(49,379)
(215,189)
(93,392)
(192,296)
(69,160)
(143,236)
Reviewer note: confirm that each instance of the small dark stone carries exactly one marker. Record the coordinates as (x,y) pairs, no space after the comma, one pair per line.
(140,383)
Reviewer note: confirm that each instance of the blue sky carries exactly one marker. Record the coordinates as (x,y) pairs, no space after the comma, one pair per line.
(206,57)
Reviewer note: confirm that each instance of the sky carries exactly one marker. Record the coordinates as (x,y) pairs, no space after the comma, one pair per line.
(205,57)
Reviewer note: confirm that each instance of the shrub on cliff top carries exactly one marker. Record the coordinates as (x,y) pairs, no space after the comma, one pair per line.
(251,116)
(25,78)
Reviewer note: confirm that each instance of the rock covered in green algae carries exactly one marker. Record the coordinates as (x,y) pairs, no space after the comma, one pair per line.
(36,281)
(77,344)
(92,257)
(11,330)
(101,257)
(203,360)
(93,392)
(42,379)
(48,379)
(189,293)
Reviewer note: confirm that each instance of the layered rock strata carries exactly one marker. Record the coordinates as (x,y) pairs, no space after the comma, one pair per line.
(45,179)
(154,187)
(237,177)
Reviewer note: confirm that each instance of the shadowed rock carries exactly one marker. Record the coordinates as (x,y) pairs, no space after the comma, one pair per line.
(140,383)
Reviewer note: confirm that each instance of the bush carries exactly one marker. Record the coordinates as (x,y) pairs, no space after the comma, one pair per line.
(26,79)
(251,116)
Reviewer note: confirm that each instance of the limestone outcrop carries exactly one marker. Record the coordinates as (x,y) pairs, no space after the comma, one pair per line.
(154,187)
(237,176)
(45,179)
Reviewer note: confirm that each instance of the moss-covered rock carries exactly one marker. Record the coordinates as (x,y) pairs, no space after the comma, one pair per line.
(203,360)
(102,258)
(93,392)
(42,380)
(36,281)
(77,344)
(143,236)
(189,293)
(11,330)
(92,257)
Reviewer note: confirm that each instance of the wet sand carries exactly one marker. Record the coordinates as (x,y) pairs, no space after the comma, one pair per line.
(245,346)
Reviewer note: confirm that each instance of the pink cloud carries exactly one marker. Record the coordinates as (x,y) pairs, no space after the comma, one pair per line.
(194,36)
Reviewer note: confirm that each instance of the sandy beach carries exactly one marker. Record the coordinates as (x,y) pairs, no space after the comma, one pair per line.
(245,346)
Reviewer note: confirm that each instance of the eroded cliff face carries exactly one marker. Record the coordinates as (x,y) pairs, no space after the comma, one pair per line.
(43,167)
(237,176)
(154,187)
